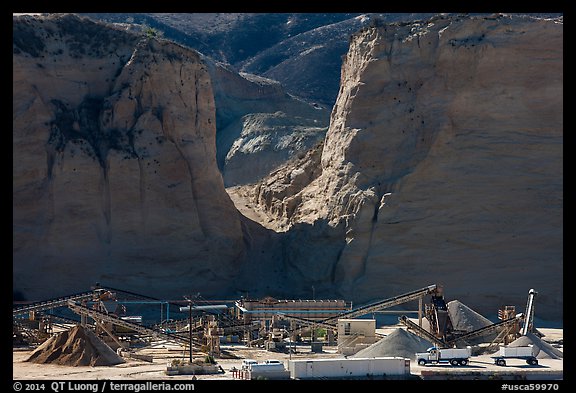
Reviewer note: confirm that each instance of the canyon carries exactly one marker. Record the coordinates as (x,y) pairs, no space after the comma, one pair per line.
(146,165)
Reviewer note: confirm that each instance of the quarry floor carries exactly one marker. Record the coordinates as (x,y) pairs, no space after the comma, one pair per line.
(480,367)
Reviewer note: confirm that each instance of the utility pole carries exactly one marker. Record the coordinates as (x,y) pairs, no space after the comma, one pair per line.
(289,344)
(190,326)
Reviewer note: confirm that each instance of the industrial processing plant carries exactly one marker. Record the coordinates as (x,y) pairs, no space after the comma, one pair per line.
(271,338)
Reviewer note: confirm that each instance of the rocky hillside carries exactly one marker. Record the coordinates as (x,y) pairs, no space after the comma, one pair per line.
(442,164)
(303,51)
(237,39)
(259,125)
(115,176)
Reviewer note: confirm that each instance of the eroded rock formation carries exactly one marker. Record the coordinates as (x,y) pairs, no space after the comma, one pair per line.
(442,164)
(115,176)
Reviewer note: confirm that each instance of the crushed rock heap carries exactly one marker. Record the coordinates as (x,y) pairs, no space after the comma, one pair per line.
(76,347)
(398,343)
(544,349)
(464,318)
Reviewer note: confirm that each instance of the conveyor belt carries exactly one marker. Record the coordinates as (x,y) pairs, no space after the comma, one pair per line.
(100,316)
(380,305)
(52,303)
(423,333)
(331,322)
(486,330)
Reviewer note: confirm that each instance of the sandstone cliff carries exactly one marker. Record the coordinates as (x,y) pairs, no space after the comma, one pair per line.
(115,177)
(442,164)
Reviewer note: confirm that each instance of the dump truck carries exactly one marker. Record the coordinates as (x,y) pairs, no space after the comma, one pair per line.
(453,356)
(246,363)
(527,353)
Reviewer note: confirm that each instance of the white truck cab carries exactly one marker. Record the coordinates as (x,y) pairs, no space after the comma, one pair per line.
(246,363)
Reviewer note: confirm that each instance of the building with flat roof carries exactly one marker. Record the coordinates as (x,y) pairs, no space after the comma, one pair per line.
(267,308)
(355,334)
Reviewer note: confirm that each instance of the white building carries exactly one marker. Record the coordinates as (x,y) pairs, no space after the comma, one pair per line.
(395,367)
(355,334)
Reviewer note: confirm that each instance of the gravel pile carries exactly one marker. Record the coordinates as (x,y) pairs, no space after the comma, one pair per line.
(398,343)
(464,318)
(76,347)
(544,350)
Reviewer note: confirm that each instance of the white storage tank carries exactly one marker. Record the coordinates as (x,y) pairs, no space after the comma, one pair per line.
(349,368)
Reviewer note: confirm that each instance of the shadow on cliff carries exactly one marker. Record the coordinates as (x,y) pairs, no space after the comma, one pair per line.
(298,263)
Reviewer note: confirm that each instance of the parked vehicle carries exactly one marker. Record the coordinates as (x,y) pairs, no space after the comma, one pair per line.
(453,356)
(246,363)
(527,353)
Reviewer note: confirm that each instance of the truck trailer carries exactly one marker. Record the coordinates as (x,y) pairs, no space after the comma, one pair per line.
(527,353)
(453,356)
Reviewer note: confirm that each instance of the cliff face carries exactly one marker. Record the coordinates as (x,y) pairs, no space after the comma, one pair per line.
(442,164)
(115,176)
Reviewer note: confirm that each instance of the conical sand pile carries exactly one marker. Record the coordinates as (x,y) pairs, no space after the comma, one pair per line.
(76,347)
(398,343)
(545,350)
(464,318)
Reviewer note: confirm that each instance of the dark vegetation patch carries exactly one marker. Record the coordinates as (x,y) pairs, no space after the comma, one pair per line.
(81,126)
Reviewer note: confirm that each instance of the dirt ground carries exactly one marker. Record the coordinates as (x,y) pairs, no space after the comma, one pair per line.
(164,353)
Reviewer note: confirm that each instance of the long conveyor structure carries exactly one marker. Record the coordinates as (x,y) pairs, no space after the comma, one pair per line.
(383,304)
(52,303)
(486,329)
(101,316)
(423,333)
(366,309)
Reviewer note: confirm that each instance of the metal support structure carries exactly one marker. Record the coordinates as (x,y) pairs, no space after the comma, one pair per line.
(420,300)
(529,321)
(100,316)
(486,329)
(419,331)
(109,333)
(380,305)
(189,299)
(50,304)
(190,328)
(369,308)
(499,338)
